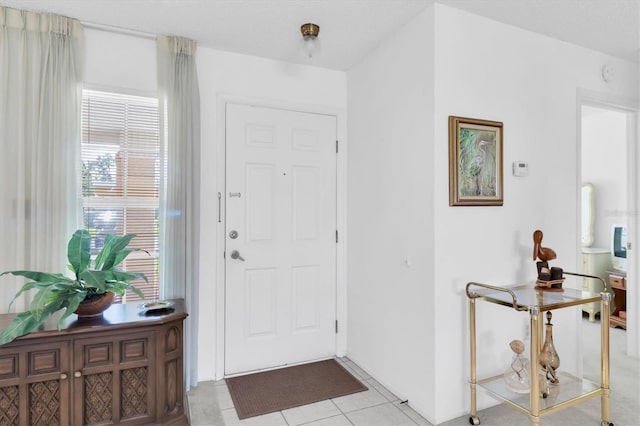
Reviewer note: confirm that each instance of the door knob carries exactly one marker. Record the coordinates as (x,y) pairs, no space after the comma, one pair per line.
(235,254)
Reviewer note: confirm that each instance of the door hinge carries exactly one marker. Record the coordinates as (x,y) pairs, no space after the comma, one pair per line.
(336,147)
(336,236)
(629,246)
(336,326)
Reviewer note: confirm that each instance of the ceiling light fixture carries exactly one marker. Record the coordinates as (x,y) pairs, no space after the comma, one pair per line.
(310,38)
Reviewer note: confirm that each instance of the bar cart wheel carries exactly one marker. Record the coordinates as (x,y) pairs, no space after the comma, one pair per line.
(474,420)
(603,423)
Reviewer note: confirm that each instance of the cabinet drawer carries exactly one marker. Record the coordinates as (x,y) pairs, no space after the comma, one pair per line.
(618,282)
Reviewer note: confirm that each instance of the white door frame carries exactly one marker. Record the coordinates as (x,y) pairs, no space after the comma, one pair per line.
(632,107)
(341,216)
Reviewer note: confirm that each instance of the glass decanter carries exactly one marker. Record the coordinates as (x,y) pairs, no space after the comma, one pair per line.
(549,359)
(516,376)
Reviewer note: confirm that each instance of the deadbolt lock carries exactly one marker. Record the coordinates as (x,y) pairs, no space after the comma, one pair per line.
(233,234)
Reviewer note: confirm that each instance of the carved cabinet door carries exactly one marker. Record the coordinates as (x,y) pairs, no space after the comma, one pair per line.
(34,384)
(114,379)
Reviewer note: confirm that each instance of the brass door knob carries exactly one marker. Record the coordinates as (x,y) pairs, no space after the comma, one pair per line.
(77,374)
(63,376)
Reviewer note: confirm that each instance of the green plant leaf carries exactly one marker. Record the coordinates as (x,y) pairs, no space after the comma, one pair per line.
(39,302)
(104,253)
(54,292)
(78,250)
(62,284)
(122,255)
(119,275)
(22,324)
(72,305)
(136,291)
(65,286)
(54,304)
(27,287)
(116,244)
(41,277)
(94,279)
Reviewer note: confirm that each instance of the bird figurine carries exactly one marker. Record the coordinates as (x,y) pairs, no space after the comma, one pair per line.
(543,253)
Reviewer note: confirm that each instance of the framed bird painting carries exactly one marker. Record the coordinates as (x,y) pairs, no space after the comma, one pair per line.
(475,162)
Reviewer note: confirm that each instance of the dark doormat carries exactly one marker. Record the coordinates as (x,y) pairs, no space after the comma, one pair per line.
(275,390)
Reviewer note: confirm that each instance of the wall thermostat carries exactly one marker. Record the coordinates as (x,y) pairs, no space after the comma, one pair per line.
(520,168)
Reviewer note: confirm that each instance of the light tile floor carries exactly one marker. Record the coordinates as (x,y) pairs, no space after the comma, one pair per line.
(210,404)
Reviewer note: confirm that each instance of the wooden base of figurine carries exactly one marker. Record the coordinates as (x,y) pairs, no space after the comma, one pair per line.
(553,285)
(551,290)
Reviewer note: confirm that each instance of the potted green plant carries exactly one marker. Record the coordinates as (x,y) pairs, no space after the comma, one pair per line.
(93,280)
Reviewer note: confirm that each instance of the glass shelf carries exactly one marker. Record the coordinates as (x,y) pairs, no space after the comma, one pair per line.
(569,388)
(524,297)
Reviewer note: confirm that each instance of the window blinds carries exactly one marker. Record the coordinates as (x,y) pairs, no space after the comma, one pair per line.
(121,177)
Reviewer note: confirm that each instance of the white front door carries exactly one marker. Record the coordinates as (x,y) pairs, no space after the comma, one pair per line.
(280,250)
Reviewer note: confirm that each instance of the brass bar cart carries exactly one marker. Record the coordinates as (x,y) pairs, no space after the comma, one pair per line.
(571,390)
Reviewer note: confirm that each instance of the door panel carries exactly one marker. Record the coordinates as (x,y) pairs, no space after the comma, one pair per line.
(306,186)
(281,199)
(260,194)
(261,308)
(306,287)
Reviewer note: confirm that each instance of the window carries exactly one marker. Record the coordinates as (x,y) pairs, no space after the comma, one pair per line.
(121,177)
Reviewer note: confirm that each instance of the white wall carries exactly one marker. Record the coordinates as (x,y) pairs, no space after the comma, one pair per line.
(409,326)
(234,76)
(604,164)
(390,214)
(119,61)
(407,321)
(530,82)
(123,62)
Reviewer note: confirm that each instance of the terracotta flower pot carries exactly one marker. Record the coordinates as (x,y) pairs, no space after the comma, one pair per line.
(95,307)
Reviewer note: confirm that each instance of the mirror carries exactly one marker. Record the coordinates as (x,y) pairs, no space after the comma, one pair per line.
(588,204)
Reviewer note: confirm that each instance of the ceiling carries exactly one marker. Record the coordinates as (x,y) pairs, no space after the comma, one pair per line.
(349,29)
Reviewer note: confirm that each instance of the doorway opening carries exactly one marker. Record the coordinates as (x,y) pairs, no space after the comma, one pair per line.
(608,185)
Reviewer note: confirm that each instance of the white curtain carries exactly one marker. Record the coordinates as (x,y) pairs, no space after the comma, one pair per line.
(179,197)
(40,75)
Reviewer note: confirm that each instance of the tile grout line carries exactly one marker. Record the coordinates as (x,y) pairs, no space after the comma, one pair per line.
(342,412)
(284,418)
(353,370)
(324,418)
(376,405)
(403,412)
(383,387)
(357,372)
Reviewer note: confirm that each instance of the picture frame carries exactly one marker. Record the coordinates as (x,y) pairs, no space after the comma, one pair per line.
(475,162)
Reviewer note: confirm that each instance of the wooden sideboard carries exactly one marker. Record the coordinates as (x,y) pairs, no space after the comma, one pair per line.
(124,368)
(618,283)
